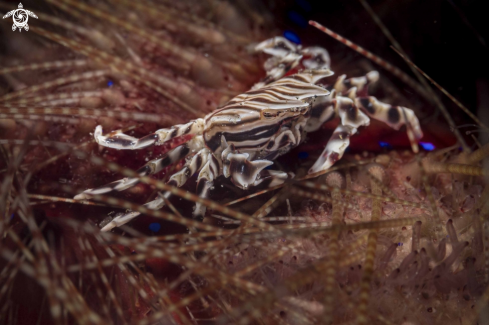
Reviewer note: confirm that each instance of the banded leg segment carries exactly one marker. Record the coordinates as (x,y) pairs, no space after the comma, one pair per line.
(152,167)
(198,162)
(390,115)
(205,181)
(275,177)
(335,148)
(124,218)
(344,86)
(119,140)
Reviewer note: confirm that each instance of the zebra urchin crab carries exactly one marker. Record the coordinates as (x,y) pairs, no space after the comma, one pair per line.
(241,139)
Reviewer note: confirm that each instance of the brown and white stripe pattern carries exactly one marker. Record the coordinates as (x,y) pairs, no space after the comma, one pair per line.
(152,167)
(239,140)
(253,121)
(119,140)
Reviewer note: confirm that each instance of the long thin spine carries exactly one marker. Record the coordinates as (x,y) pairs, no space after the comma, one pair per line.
(45,118)
(441,107)
(86,247)
(356,193)
(478,155)
(452,168)
(334,180)
(428,90)
(368,267)
(188,56)
(398,73)
(172,48)
(424,178)
(53,83)
(25,112)
(457,102)
(45,65)
(116,64)
(369,55)
(53,97)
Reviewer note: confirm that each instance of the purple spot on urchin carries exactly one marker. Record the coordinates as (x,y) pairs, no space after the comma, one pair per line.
(385,145)
(298,19)
(154,227)
(291,36)
(427,146)
(110,83)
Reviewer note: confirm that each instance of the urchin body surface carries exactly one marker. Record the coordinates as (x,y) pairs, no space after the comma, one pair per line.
(241,139)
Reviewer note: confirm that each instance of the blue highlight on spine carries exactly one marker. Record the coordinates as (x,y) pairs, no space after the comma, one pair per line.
(427,146)
(291,36)
(154,227)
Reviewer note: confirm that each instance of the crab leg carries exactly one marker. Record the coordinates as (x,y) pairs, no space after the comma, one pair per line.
(337,144)
(390,115)
(275,177)
(198,162)
(119,140)
(152,167)
(124,218)
(344,86)
(205,181)
(351,119)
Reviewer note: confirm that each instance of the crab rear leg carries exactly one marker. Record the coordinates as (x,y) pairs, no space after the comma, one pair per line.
(199,162)
(124,218)
(274,177)
(335,148)
(390,115)
(119,140)
(152,167)
(351,119)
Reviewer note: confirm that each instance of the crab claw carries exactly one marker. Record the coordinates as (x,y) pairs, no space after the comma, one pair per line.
(276,46)
(244,172)
(337,144)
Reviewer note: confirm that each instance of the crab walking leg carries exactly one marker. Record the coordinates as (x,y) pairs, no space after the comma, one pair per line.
(343,85)
(205,181)
(275,177)
(152,167)
(337,144)
(124,218)
(390,115)
(119,140)
(177,179)
(351,119)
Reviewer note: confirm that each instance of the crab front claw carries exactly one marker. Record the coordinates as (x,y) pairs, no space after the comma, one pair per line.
(337,144)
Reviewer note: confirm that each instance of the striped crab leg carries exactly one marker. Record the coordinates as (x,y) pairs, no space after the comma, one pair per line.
(203,162)
(334,150)
(390,115)
(351,118)
(119,140)
(152,167)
